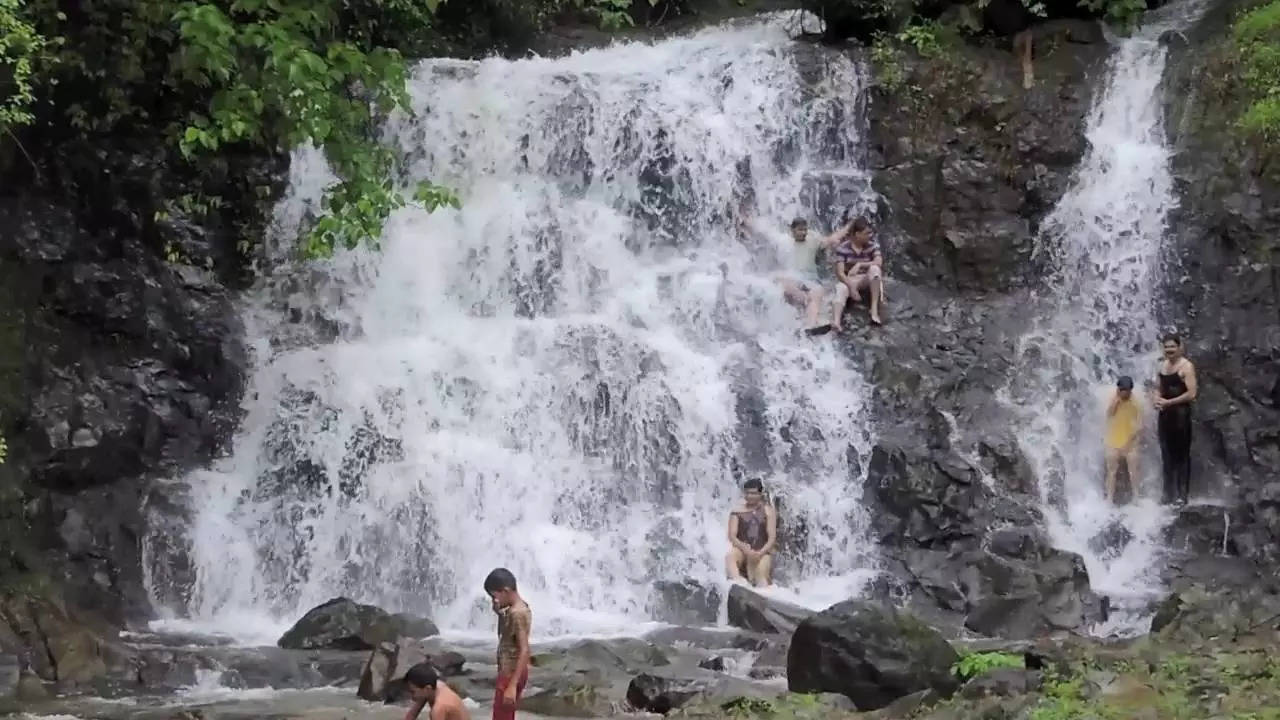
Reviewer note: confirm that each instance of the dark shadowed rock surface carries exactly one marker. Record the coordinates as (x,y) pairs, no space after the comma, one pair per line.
(343,624)
(873,654)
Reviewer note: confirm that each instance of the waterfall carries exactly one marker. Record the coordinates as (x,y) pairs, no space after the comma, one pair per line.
(571,375)
(1104,240)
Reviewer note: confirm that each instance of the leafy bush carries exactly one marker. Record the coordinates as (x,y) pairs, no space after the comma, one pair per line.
(974,664)
(1256,37)
(21,48)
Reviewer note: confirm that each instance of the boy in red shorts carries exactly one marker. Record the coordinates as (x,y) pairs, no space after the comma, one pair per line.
(514,620)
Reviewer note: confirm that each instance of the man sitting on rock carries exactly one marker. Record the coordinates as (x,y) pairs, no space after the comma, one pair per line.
(426,688)
(859,266)
(753,533)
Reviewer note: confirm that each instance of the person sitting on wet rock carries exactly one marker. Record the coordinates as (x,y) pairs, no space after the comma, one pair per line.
(859,266)
(753,535)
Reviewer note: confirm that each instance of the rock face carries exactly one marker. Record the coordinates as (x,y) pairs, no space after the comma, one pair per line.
(343,624)
(872,654)
(970,163)
(382,677)
(1224,293)
(122,349)
(60,645)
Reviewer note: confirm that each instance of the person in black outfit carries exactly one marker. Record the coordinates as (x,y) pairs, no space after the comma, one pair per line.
(1176,391)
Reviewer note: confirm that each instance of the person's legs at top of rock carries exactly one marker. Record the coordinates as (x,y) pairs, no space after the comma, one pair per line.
(839,298)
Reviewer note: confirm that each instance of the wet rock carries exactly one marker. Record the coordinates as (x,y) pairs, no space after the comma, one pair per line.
(753,611)
(1111,540)
(61,646)
(1001,682)
(377,673)
(30,688)
(342,624)
(10,670)
(686,602)
(871,654)
(714,663)
(400,657)
(597,659)
(566,697)
(1198,614)
(659,694)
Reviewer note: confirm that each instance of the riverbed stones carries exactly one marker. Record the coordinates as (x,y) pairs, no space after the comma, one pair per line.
(343,624)
(871,653)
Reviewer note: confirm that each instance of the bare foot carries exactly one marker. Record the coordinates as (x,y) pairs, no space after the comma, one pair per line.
(875,319)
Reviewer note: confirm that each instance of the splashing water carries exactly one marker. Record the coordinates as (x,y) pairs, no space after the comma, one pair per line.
(1105,238)
(562,377)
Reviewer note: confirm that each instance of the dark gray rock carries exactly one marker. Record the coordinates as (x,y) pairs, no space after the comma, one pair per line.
(750,610)
(1001,682)
(872,654)
(659,694)
(686,602)
(342,624)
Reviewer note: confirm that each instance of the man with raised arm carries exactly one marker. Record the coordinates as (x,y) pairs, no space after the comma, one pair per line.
(753,534)
(426,688)
(514,622)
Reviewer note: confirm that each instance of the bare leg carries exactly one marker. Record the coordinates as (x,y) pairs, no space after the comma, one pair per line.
(764,571)
(1131,461)
(877,287)
(813,309)
(1022,41)
(1113,464)
(733,563)
(837,306)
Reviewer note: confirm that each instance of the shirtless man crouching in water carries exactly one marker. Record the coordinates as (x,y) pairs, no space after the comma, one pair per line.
(426,688)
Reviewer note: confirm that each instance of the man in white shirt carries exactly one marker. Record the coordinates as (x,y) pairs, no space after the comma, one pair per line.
(799,278)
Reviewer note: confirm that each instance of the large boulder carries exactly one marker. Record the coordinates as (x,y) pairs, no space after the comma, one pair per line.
(873,654)
(382,677)
(61,645)
(685,602)
(662,694)
(753,611)
(343,624)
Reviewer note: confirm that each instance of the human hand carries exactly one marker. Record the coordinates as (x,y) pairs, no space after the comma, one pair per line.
(509,695)
(1160,403)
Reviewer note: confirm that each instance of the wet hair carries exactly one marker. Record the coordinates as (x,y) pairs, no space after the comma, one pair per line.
(861,223)
(421,675)
(753,484)
(799,222)
(1170,338)
(1124,382)
(499,579)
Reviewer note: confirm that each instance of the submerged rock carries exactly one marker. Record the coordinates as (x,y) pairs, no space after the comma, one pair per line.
(343,624)
(659,694)
(872,654)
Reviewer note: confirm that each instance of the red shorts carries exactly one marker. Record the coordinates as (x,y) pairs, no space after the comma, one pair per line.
(500,710)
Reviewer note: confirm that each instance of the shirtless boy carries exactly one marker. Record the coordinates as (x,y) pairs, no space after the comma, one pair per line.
(514,620)
(426,688)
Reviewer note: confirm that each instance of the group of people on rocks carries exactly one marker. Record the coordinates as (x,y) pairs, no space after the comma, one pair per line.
(1172,391)
(857,270)
(515,620)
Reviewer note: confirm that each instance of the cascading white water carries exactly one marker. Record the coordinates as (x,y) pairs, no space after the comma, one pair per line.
(561,377)
(1105,239)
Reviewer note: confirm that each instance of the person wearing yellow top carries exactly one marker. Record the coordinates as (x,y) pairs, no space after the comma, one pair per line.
(1124,427)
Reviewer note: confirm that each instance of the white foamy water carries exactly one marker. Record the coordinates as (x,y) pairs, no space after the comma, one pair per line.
(561,377)
(1105,239)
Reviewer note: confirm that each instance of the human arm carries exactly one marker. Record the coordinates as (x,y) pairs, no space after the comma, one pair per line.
(733,534)
(771,530)
(1115,403)
(835,237)
(416,708)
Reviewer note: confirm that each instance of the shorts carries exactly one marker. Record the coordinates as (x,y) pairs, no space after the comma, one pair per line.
(505,712)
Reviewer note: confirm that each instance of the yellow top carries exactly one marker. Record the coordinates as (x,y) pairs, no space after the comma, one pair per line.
(1123,424)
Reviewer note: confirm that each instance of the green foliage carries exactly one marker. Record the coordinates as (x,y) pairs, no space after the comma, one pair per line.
(22,48)
(974,664)
(282,74)
(1256,38)
(1121,13)
(608,14)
